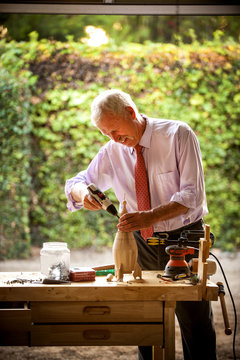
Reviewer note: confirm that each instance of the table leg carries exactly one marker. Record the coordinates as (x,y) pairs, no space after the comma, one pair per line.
(169,330)
(157,352)
(167,352)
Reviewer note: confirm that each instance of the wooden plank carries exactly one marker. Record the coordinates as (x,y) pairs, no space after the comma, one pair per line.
(97,334)
(211,292)
(183,293)
(150,288)
(55,312)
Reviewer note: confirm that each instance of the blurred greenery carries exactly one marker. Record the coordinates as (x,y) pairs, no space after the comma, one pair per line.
(46,137)
(122,28)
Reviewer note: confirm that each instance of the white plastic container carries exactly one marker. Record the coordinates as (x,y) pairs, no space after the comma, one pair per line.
(55,260)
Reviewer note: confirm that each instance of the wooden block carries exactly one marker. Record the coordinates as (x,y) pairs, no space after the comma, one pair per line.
(211,292)
(212,266)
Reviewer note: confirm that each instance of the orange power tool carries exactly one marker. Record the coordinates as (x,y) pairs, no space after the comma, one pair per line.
(177,264)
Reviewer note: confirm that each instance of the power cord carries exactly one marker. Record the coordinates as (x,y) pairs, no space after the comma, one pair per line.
(233,304)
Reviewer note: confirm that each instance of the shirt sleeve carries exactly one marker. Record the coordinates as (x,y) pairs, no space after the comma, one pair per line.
(98,172)
(192,188)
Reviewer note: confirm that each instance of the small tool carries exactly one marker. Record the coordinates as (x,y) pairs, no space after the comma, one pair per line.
(102,199)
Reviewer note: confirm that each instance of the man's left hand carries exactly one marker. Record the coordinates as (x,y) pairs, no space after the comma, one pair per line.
(135,221)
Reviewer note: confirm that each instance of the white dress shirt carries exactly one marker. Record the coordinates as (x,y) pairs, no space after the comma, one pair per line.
(173,160)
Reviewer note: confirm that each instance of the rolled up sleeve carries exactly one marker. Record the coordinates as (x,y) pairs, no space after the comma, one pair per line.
(192,187)
(98,172)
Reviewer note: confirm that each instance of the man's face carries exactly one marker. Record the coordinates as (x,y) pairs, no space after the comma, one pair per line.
(127,131)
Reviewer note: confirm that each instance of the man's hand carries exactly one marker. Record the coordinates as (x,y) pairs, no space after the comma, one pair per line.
(80,194)
(90,203)
(135,221)
(144,219)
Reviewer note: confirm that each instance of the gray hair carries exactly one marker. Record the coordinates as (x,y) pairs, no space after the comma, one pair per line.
(111,101)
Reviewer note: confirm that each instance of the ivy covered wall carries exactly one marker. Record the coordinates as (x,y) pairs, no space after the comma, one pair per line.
(46,135)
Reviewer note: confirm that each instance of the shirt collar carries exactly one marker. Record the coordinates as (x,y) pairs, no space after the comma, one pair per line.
(145,140)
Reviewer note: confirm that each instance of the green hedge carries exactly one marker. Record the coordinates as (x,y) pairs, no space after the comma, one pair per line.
(54,138)
(15,176)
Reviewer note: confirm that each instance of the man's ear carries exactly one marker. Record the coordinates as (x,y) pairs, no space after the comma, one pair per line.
(131,111)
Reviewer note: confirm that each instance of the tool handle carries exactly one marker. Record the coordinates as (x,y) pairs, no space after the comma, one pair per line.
(102,199)
(221,294)
(99,196)
(104,267)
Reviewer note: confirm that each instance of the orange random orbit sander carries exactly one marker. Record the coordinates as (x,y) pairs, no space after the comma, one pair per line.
(177,267)
(177,264)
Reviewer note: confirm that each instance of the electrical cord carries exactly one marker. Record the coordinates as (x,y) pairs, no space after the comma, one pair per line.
(233,304)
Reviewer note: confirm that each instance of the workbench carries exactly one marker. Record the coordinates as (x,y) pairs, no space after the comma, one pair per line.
(132,312)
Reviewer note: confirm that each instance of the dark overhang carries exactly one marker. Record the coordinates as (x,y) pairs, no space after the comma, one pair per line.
(121,7)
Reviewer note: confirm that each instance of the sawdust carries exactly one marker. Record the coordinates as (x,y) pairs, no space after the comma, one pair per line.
(89,257)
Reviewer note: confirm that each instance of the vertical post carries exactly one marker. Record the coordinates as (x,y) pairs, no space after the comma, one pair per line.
(202,260)
(157,352)
(207,238)
(167,351)
(169,330)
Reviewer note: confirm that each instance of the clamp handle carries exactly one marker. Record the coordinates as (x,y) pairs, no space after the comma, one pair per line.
(221,294)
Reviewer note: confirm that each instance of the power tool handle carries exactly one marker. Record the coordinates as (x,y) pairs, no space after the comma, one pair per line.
(99,196)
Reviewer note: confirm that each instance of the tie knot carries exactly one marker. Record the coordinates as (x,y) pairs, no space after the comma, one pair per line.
(138,148)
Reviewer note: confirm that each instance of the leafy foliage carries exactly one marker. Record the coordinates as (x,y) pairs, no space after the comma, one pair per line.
(54,138)
(122,28)
(15,177)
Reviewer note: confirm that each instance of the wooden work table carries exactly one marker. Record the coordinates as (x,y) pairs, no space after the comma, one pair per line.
(132,312)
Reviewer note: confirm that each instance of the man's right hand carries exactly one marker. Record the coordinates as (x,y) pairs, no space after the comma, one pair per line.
(81,194)
(90,203)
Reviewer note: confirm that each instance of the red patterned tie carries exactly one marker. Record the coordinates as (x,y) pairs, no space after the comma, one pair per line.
(141,186)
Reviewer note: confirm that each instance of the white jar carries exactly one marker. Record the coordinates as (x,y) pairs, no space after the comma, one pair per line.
(55,260)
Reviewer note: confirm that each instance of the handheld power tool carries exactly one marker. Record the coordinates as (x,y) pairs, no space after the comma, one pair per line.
(102,199)
(177,264)
(177,267)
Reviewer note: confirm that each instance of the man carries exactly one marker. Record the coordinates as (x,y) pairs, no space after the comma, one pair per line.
(177,194)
